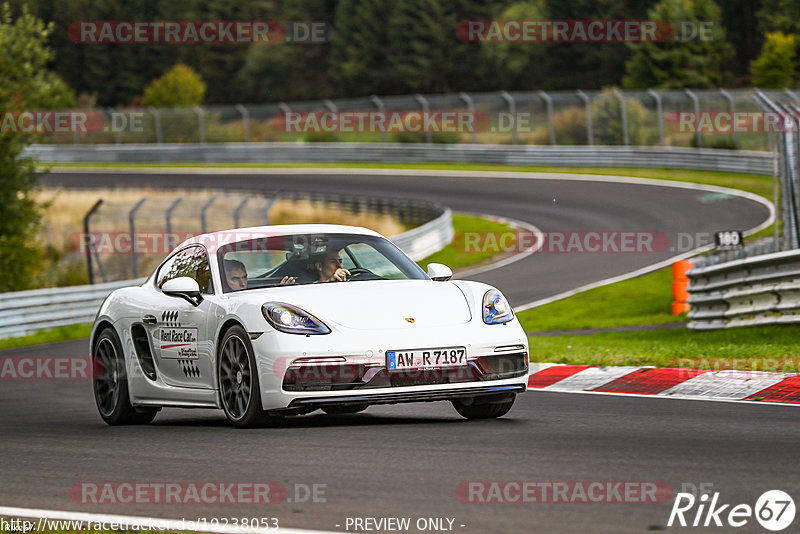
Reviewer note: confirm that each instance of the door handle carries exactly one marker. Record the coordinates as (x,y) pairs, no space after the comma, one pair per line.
(149,319)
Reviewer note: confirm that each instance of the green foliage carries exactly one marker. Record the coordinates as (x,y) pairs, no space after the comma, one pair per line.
(780,15)
(570,126)
(179,87)
(25,84)
(360,47)
(774,68)
(519,63)
(418,43)
(607,119)
(675,64)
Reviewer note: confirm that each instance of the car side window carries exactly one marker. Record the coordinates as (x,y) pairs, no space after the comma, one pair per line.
(192,262)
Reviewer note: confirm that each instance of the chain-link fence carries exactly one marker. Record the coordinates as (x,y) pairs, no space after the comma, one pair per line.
(126,239)
(610,117)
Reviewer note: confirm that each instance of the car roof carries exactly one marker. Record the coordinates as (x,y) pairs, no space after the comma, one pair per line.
(253,232)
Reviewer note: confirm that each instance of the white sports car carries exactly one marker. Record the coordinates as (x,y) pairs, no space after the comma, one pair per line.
(274,321)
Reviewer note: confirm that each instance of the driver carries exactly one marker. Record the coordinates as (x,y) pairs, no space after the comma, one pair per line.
(329,267)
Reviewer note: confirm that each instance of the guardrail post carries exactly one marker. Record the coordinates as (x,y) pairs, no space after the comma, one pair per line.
(333,109)
(286,109)
(425,110)
(732,107)
(696,102)
(379,104)
(116,132)
(157,123)
(471,109)
(512,110)
(773,147)
(589,127)
(132,227)
(245,121)
(238,210)
(623,112)
(88,240)
(168,217)
(660,112)
(551,125)
(201,123)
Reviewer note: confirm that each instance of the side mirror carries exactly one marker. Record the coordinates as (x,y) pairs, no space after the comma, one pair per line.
(183,287)
(439,272)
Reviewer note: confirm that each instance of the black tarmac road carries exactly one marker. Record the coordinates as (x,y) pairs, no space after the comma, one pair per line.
(408,461)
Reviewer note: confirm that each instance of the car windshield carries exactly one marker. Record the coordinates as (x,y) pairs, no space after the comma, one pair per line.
(312,258)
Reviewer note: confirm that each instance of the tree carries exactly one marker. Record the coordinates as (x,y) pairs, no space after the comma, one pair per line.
(678,63)
(179,87)
(360,48)
(25,84)
(608,126)
(519,64)
(418,45)
(774,68)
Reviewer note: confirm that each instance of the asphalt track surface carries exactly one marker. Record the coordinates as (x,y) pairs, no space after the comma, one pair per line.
(408,460)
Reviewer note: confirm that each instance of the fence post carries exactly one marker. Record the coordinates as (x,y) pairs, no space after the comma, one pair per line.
(267,209)
(286,109)
(333,109)
(116,132)
(379,104)
(660,112)
(471,109)
(87,239)
(732,107)
(624,115)
(132,227)
(203,210)
(696,102)
(245,121)
(425,110)
(589,128)
(201,123)
(551,126)
(157,123)
(238,210)
(168,217)
(512,110)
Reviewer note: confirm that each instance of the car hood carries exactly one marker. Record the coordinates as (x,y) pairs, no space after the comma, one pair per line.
(378,304)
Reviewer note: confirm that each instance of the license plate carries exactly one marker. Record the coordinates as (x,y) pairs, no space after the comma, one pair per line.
(426,358)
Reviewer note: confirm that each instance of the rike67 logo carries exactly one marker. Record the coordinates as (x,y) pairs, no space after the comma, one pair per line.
(774,510)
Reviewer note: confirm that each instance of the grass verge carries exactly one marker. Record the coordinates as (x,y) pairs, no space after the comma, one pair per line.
(54,335)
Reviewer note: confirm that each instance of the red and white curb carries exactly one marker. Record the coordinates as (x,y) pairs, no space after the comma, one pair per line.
(667,382)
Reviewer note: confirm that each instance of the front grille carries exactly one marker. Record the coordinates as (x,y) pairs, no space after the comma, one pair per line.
(342,377)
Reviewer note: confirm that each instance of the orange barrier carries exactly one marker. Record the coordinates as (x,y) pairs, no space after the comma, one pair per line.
(680,286)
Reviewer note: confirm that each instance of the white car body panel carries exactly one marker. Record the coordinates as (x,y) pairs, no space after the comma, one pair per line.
(366,318)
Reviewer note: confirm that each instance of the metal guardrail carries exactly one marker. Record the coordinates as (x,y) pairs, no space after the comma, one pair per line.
(744,161)
(25,312)
(762,289)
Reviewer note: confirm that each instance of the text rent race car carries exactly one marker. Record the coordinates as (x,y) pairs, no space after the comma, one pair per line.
(247,320)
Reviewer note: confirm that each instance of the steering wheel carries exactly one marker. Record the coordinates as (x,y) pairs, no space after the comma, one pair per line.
(358,271)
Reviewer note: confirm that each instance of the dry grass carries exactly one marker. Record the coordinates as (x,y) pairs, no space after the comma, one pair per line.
(63,218)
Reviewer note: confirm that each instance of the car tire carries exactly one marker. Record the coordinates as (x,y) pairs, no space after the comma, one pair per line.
(343,410)
(110,383)
(488,407)
(239,387)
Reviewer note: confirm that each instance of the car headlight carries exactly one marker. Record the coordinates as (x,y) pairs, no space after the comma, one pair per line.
(496,309)
(293,320)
